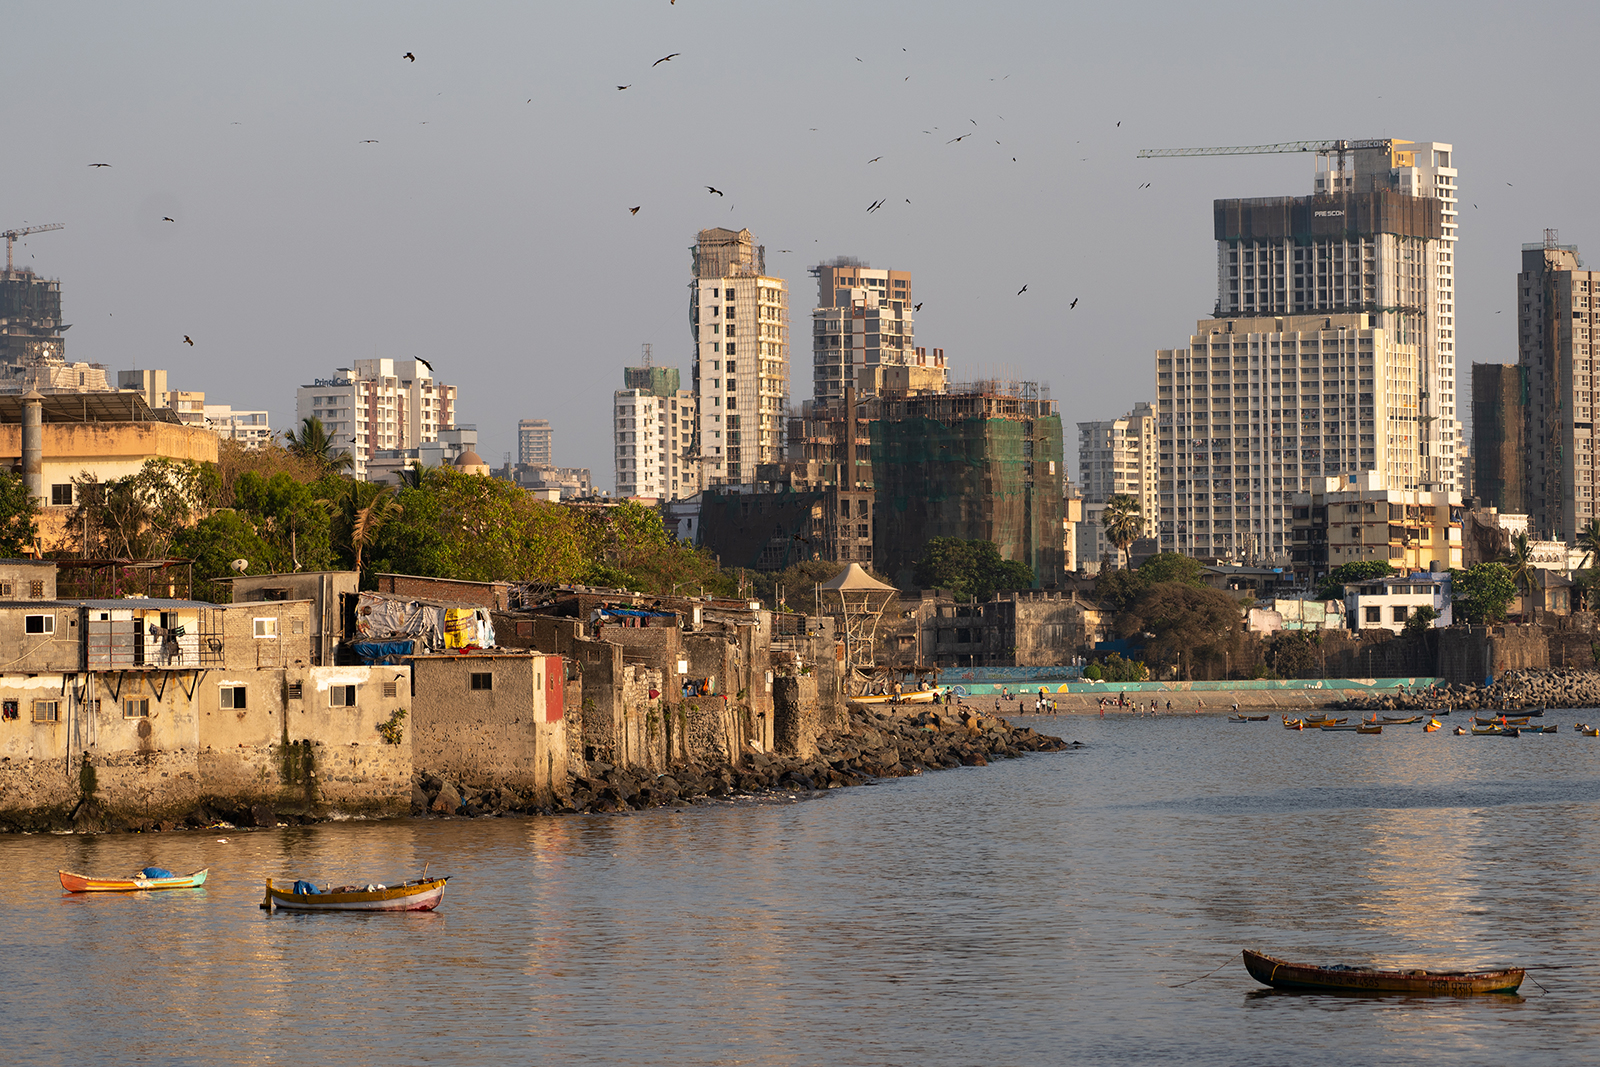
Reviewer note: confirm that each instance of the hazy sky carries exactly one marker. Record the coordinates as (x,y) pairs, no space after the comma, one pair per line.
(488,229)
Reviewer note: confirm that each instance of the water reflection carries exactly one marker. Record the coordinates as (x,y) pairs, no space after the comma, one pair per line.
(1034,911)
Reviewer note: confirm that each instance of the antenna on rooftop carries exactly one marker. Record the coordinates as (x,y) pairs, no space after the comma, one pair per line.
(645,352)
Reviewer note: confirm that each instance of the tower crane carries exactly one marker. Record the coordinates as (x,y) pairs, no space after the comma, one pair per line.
(12,235)
(1319,147)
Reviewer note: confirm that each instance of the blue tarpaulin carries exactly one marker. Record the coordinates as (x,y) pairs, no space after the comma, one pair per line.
(158,872)
(374,653)
(302,888)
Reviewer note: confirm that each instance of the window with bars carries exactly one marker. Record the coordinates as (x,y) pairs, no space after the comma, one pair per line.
(482,680)
(136,708)
(47,711)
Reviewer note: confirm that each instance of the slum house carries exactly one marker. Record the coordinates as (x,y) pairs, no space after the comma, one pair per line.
(331,594)
(172,702)
(656,680)
(1028,628)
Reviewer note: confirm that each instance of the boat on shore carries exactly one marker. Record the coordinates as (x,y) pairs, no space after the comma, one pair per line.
(149,878)
(1281,974)
(419,894)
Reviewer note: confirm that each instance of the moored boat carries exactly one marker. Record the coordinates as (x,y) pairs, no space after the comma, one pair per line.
(1590,731)
(1388,721)
(1281,974)
(149,878)
(1293,724)
(419,894)
(1340,725)
(1433,724)
(1461,731)
(1370,728)
(1521,720)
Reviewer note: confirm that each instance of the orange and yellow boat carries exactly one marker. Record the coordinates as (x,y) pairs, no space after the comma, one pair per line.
(149,878)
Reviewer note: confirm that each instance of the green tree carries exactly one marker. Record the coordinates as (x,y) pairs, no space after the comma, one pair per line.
(1295,654)
(294,517)
(1482,593)
(137,516)
(314,445)
(1519,560)
(19,513)
(1419,622)
(1182,625)
(1122,522)
(1589,541)
(214,543)
(1332,585)
(972,569)
(1115,590)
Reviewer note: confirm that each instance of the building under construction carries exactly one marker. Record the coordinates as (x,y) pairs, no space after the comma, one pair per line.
(981,462)
(1499,400)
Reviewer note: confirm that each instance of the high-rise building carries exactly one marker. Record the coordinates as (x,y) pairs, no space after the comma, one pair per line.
(30,321)
(1378,236)
(252,429)
(533,441)
(1558,305)
(651,435)
(1498,423)
(1255,408)
(863,320)
(739,317)
(378,404)
(1116,457)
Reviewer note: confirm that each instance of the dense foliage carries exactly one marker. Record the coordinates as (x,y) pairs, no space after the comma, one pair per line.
(1333,583)
(973,569)
(1482,593)
(1183,626)
(18,517)
(1115,590)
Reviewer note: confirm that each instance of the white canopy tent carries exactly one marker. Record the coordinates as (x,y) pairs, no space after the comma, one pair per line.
(860,600)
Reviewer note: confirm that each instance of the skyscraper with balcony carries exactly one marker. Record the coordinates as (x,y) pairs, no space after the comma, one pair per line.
(1331,351)
(739,318)
(862,322)
(378,404)
(534,440)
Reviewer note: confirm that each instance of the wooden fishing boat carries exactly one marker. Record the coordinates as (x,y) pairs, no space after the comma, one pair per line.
(1433,724)
(1322,720)
(1539,729)
(1461,731)
(1340,725)
(1390,721)
(1590,731)
(419,894)
(1293,724)
(83,883)
(1521,720)
(915,696)
(1497,731)
(1370,728)
(1280,974)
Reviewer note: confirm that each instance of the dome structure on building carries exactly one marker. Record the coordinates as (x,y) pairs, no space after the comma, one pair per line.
(469,462)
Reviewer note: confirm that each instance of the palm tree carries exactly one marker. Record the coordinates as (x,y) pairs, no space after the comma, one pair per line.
(1589,541)
(1523,571)
(314,444)
(1122,522)
(370,518)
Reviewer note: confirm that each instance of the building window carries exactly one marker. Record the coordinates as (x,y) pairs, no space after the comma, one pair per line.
(296,690)
(61,495)
(233,697)
(1374,615)
(297,626)
(390,689)
(266,627)
(1400,613)
(36,590)
(341,696)
(46,711)
(136,709)
(39,624)
(483,680)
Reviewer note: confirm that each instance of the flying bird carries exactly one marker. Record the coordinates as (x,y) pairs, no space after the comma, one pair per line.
(409,56)
(187,341)
(916,307)
(1024,289)
(875,205)
(1119,123)
(663,59)
(634,210)
(368,142)
(874,159)
(99,164)
(963,137)
(622,87)
(1508,183)
(168,218)
(785,250)
(1073,304)
(714,189)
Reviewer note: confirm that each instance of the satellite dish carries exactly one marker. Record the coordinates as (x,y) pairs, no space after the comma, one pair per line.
(239,566)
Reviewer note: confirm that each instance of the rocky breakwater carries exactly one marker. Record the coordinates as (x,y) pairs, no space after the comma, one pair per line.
(1515,690)
(877,743)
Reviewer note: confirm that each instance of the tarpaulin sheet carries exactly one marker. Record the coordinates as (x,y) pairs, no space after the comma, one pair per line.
(373,653)
(435,626)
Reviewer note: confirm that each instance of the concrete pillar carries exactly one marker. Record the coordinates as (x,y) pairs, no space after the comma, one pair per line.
(33,446)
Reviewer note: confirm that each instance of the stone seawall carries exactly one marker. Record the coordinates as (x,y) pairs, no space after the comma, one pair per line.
(869,743)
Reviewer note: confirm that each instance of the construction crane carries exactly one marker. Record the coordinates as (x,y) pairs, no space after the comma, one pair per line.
(1319,147)
(12,235)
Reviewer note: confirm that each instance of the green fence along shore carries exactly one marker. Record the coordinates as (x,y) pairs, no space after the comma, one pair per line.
(1287,694)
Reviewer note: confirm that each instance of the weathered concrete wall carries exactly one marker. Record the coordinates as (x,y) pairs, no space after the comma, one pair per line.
(510,733)
(491,596)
